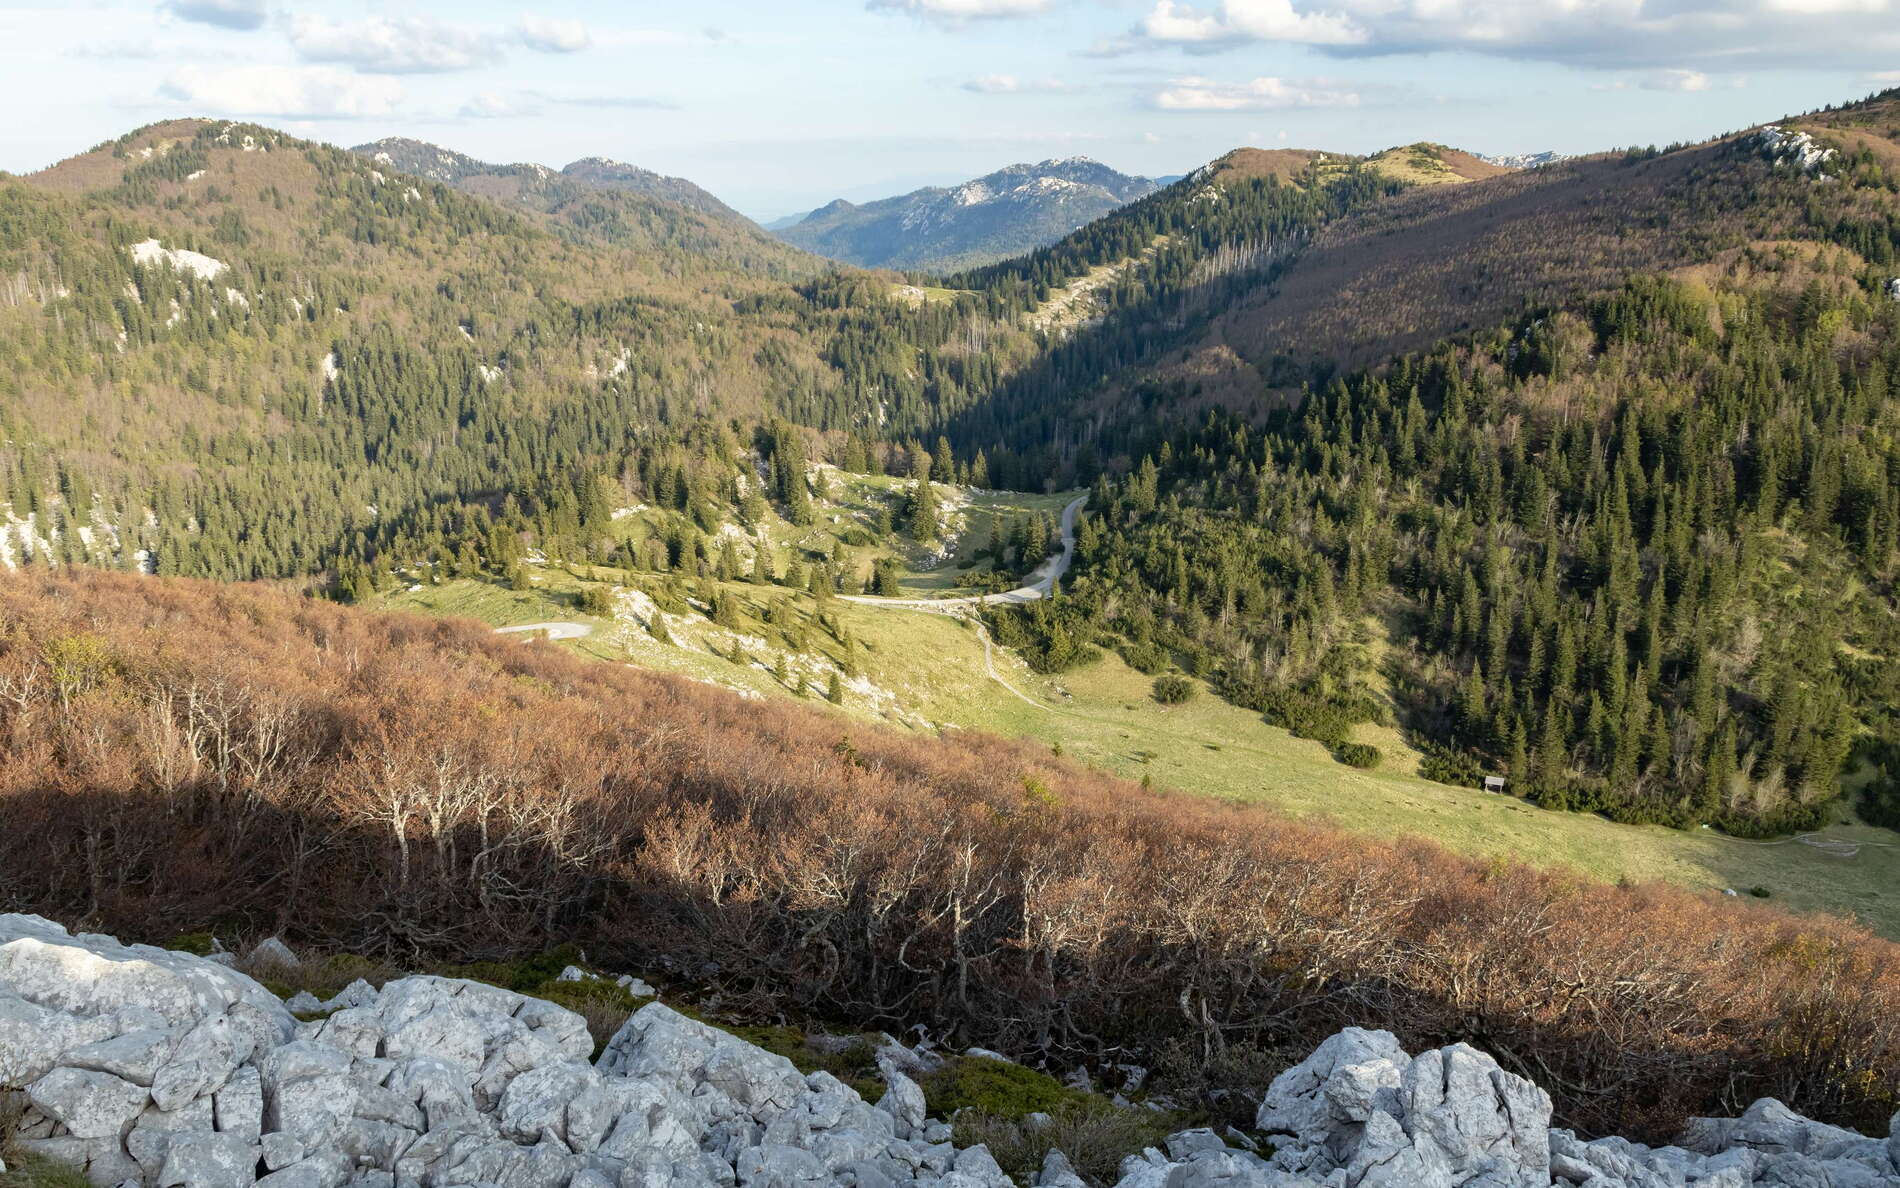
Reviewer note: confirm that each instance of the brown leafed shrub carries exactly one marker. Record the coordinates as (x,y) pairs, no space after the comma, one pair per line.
(248,761)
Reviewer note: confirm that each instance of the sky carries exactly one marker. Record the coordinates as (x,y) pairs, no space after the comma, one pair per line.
(782,105)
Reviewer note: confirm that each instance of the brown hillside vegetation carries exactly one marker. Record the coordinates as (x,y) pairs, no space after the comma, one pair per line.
(1873,126)
(1434,165)
(1443,259)
(1285,164)
(181,754)
(98,167)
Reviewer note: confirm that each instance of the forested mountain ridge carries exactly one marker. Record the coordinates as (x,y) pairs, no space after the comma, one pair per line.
(306,348)
(1015,209)
(233,353)
(838,351)
(367,344)
(1634,551)
(538,186)
(1386,278)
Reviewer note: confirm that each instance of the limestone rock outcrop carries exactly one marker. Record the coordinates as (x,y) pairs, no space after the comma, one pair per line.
(156,1069)
(1797,149)
(151,1069)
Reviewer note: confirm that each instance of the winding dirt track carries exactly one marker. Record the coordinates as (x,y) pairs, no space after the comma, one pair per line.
(1041,581)
(554,630)
(1037,588)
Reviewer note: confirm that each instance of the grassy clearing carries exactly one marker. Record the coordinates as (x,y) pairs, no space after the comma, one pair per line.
(856,512)
(1073,304)
(1417,164)
(553,597)
(1105,716)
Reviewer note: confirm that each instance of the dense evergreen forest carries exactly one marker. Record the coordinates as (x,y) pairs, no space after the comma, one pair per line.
(376,363)
(1640,559)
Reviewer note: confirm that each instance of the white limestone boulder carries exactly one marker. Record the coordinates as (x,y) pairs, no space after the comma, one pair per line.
(659,1042)
(903,1100)
(1345,1079)
(204,1159)
(86,1103)
(273,953)
(96,975)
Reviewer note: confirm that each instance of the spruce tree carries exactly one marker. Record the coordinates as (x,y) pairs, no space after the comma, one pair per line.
(923,512)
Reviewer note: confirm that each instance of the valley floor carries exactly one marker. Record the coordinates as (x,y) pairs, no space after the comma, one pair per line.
(927,671)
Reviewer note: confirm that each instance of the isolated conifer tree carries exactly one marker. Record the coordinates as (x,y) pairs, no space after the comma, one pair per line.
(923,513)
(884,578)
(943,463)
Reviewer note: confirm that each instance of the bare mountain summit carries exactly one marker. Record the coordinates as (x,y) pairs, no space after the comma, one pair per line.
(1016,209)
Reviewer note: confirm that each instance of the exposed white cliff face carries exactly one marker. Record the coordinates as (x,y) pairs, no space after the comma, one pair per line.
(1798,149)
(1893,288)
(151,253)
(1526,160)
(152,1069)
(42,539)
(971,193)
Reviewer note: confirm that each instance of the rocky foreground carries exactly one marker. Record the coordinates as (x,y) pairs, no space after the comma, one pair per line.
(154,1068)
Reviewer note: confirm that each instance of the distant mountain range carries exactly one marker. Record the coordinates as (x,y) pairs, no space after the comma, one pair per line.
(522,182)
(1016,209)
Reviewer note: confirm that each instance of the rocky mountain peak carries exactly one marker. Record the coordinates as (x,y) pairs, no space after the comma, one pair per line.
(1011,210)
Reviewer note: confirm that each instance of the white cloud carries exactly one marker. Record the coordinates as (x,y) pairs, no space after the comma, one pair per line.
(1260,94)
(958,11)
(309,92)
(1825,7)
(130,49)
(554,36)
(627,102)
(226,14)
(1250,20)
(1665,80)
(646,38)
(394,45)
(1009,84)
(494,105)
(1675,80)
(1607,34)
